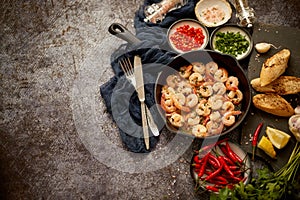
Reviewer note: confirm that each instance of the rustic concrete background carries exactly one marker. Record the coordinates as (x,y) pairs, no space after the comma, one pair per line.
(43,48)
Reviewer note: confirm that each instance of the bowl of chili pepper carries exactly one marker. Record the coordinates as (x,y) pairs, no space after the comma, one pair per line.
(219,165)
(187,35)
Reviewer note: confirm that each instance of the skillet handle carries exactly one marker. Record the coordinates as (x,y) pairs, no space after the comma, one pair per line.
(122,32)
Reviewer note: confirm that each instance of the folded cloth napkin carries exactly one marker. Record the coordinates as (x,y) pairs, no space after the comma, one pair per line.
(122,101)
(119,95)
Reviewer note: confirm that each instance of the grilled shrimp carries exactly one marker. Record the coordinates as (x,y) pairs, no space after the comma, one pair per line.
(227,106)
(221,75)
(214,128)
(179,101)
(173,80)
(199,130)
(196,79)
(168,92)
(192,100)
(199,68)
(168,104)
(216,101)
(185,71)
(211,68)
(219,88)
(229,117)
(184,87)
(215,116)
(203,108)
(176,120)
(193,118)
(235,96)
(206,90)
(232,83)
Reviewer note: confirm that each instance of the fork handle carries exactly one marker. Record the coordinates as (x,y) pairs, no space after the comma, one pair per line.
(145,125)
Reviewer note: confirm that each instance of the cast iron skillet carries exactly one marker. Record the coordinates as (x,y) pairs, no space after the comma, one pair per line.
(226,61)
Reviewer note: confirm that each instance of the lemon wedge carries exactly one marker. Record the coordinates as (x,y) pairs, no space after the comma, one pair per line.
(278,138)
(266,145)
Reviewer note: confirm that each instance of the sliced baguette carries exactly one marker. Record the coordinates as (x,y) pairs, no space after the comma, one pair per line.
(283,85)
(274,66)
(273,104)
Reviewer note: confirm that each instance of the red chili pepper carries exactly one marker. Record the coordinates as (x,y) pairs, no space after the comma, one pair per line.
(237,172)
(212,188)
(225,166)
(215,173)
(230,157)
(233,179)
(233,155)
(219,180)
(196,159)
(234,167)
(228,161)
(203,167)
(208,172)
(213,161)
(255,138)
(213,164)
(196,165)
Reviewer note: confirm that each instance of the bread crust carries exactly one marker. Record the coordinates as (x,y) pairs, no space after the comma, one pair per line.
(283,85)
(273,104)
(274,66)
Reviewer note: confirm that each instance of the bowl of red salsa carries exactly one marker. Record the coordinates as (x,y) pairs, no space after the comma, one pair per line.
(187,35)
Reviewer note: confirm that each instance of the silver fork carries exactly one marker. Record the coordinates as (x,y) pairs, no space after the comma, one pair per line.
(129,73)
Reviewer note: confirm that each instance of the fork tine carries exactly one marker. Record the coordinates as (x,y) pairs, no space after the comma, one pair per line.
(121,63)
(129,66)
(126,66)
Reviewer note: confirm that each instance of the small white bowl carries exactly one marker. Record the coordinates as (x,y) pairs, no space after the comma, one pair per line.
(235,29)
(192,24)
(219,8)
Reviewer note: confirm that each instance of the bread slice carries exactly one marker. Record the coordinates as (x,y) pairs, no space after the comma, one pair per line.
(273,104)
(274,66)
(283,85)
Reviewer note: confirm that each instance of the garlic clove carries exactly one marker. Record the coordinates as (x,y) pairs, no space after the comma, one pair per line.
(262,47)
(294,126)
(297,110)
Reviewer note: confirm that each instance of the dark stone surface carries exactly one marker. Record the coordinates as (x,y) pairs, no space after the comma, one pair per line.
(48,49)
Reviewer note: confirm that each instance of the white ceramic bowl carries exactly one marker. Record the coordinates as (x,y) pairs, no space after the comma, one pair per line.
(192,24)
(213,13)
(234,29)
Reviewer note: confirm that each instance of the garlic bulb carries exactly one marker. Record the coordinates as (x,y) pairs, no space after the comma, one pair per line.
(297,110)
(294,124)
(263,47)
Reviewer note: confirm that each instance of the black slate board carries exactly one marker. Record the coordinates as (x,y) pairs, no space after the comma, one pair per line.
(282,37)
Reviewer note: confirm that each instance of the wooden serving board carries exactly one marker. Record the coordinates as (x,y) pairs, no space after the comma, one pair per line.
(282,37)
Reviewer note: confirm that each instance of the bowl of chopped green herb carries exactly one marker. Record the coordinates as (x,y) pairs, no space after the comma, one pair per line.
(232,40)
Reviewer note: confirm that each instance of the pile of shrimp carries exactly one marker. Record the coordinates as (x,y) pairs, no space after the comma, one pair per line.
(202,99)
